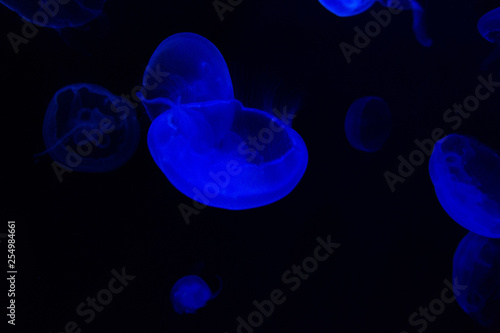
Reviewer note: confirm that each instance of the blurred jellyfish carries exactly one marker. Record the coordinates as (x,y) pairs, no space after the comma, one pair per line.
(345,8)
(489,27)
(368,123)
(191,293)
(476,267)
(210,147)
(87,128)
(466,178)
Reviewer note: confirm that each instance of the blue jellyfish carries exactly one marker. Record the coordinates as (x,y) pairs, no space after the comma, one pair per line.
(190,293)
(87,128)
(345,8)
(211,147)
(489,27)
(368,123)
(57,13)
(466,178)
(476,268)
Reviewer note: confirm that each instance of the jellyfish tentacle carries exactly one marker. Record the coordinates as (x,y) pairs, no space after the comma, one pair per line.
(60,141)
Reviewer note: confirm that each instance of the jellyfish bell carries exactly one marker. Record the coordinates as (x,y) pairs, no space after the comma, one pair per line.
(346,8)
(466,177)
(489,26)
(191,293)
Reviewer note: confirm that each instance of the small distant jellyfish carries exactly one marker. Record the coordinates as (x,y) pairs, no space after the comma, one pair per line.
(368,123)
(489,27)
(476,270)
(87,128)
(466,178)
(191,293)
(345,8)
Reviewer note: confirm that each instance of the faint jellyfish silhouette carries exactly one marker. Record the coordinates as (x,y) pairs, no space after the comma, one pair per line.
(191,293)
(466,178)
(209,146)
(476,267)
(87,128)
(345,8)
(489,27)
(368,123)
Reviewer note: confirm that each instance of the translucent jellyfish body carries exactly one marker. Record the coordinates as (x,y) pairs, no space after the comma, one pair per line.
(191,293)
(476,268)
(466,178)
(489,27)
(57,13)
(87,128)
(368,123)
(210,147)
(344,8)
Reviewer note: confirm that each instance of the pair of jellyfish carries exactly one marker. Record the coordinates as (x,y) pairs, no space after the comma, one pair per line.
(345,8)
(87,128)
(191,293)
(209,146)
(368,123)
(476,269)
(489,27)
(466,178)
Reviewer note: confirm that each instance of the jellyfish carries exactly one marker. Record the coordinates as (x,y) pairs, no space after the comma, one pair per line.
(476,268)
(211,147)
(57,14)
(87,128)
(466,178)
(489,27)
(368,123)
(191,293)
(345,8)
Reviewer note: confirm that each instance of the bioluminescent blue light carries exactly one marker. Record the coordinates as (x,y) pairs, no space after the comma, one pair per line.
(57,14)
(190,293)
(368,123)
(87,128)
(345,8)
(212,148)
(186,66)
(466,178)
(476,268)
(489,27)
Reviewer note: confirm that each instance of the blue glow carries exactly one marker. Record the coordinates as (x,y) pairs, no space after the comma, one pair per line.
(57,14)
(190,293)
(368,123)
(87,128)
(489,26)
(345,8)
(476,265)
(197,72)
(216,151)
(466,177)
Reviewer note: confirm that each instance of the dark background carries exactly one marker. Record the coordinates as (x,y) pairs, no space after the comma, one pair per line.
(397,248)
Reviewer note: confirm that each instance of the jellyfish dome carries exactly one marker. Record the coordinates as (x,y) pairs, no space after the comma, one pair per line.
(489,26)
(476,266)
(57,14)
(368,123)
(87,128)
(466,178)
(211,147)
(191,293)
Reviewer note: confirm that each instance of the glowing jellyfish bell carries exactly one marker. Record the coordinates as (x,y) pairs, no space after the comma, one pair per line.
(345,8)
(489,27)
(87,128)
(476,268)
(466,178)
(57,14)
(211,147)
(191,293)
(368,123)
